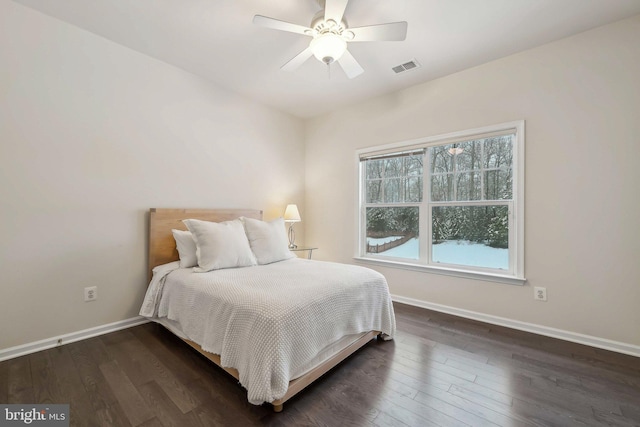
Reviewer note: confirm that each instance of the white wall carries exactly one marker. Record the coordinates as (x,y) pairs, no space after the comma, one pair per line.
(92,135)
(580,98)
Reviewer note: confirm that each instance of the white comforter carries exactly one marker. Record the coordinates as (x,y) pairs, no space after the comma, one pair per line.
(267,321)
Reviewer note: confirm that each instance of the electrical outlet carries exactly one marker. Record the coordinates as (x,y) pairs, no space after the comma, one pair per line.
(540,293)
(90,293)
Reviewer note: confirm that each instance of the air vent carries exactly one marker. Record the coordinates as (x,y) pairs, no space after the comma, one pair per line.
(406,66)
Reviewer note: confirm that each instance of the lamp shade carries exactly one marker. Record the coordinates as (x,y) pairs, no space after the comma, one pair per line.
(291,214)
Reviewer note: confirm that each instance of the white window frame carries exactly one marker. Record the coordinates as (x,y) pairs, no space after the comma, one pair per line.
(515,273)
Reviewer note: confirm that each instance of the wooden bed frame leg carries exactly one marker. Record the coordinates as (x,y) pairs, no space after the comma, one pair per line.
(277,408)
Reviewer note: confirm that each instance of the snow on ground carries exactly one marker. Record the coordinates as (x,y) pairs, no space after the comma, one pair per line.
(410,250)
(459,252)
(380,241)
(474,254)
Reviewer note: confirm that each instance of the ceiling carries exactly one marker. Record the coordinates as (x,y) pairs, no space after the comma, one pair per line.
(215,39)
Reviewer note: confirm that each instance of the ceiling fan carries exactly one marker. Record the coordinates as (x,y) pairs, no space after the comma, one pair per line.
(330,35)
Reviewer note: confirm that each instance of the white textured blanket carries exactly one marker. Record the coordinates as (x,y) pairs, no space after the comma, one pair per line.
(267,321)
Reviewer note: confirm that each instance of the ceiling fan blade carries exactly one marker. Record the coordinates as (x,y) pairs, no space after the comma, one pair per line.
(393,31)
(350,65)
(276,24)
(298,60)
(334,9)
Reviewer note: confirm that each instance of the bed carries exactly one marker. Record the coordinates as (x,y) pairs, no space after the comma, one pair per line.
(275,326)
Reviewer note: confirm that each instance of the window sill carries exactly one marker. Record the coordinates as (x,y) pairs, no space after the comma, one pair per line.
(488,277)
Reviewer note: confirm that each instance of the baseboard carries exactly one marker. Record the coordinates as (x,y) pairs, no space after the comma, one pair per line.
(21,350)
(619,347)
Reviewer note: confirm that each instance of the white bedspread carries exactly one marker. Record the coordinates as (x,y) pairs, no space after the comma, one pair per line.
(267,321)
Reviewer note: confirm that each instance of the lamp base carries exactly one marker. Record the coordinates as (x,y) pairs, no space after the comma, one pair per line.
(292,238)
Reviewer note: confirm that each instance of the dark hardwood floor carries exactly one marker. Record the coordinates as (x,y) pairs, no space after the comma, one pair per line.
(440,370)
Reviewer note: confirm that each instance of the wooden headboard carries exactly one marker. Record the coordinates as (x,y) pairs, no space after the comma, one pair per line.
(162,246)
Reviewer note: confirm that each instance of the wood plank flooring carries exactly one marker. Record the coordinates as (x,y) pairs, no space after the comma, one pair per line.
(440,370)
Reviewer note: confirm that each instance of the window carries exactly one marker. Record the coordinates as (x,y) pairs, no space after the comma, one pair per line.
(453,203)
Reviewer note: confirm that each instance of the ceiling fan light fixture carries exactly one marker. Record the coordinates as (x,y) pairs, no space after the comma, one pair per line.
(455,150)
(330,34)
(328,47)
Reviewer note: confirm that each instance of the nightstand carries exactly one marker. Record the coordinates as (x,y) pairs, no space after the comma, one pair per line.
(301,249)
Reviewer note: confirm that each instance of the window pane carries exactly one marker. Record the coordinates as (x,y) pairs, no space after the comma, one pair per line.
(393,190)
(471,235)
(497,185)
(374,191)
(468,155)
(414,165)
(472,170)
(498,152)
(442,187)
(441,159)
(395,179)
(393,232)
(469,186)
(374,169)
(393,167)
(413,189)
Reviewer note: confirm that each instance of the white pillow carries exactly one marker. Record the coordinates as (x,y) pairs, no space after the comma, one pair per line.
(220,244)
(268,240)
(186,248)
